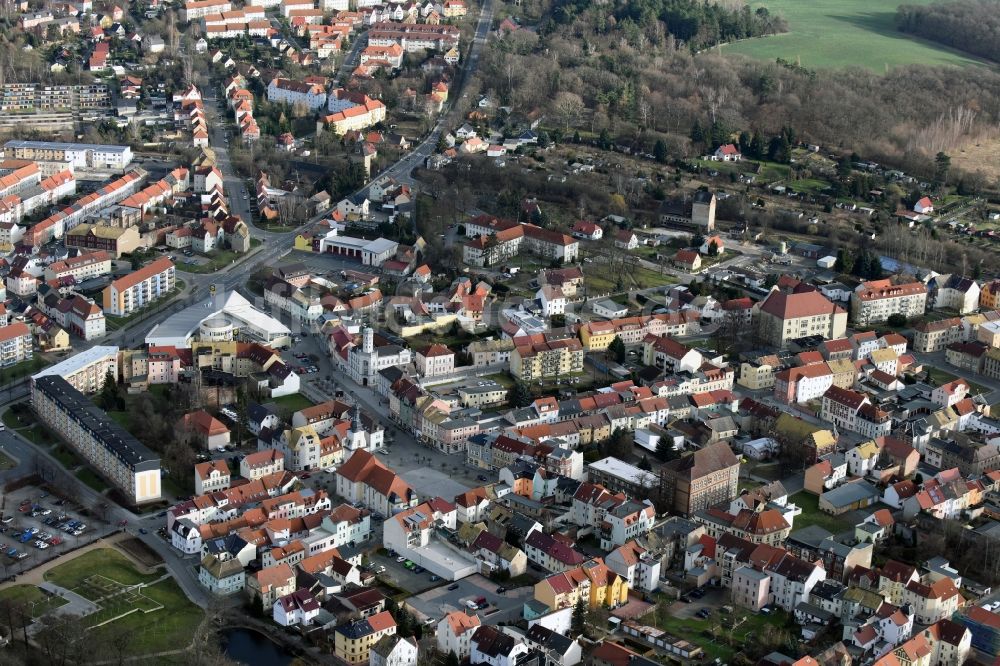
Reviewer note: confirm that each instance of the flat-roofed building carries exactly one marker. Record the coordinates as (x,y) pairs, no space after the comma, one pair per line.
(79,155)
(87,370)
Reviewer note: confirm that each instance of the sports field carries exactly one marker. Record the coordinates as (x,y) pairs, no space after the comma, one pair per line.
(840,33)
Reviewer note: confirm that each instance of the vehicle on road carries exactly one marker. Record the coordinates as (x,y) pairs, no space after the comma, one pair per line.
(143,530)
(453,587)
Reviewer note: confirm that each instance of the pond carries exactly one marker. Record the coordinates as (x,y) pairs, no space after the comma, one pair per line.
(253,648)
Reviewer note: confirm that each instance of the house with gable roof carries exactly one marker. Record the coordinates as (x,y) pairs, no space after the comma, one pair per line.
(454,633)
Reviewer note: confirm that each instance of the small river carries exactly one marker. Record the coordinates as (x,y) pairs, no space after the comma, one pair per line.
(253,648)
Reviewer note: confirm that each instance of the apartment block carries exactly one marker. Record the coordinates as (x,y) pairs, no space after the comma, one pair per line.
(87,370)
(534,357)
(877,300)
(137,290)
(15,344)
(106,446)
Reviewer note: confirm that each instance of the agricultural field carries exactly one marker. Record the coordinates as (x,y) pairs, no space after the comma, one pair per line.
(845,33)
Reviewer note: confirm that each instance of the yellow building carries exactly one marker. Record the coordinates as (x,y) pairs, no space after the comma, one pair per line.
(354,640)
(539,358)
(596,336)
(592,581)
(845,373)
(759,373)
(304,242)
(989,296)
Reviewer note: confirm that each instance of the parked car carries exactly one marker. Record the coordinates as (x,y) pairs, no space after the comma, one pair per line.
(453,587)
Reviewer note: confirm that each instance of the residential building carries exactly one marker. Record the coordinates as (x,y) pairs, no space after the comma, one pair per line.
(877,300)
(542,357)
(394,650)
(140,288)
(454,633)
(262,463)
(211,476)
(110,449)
(87,370)
(354,640)
(16,344)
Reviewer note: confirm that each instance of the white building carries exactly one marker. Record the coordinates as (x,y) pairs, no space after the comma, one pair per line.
(394,651)
(454,633)
(226,316)
(365,362)
(296,92)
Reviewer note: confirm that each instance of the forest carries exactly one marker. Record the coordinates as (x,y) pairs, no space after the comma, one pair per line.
(968,25)
(697,24)
(641,85)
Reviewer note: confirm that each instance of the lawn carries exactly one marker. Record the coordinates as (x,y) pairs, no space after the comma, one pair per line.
(14,420)
(39,602)
(293,402)
(66,457)
(218,260)
(91,479)
(104,561)
(22,369)
(503,379)
(808,185)
(168,628)
(811,515)
(691,629)
(844,33)
(938,377)
(6,463)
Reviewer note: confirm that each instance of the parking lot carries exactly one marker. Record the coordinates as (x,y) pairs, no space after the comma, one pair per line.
(438,602)
(399,575)
(37,526)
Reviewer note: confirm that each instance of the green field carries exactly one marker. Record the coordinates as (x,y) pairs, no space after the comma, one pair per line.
(838,33)
(161,619)
(293,402)
(39,602)
(811,515)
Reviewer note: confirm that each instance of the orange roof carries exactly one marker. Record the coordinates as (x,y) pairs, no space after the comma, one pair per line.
(161,265)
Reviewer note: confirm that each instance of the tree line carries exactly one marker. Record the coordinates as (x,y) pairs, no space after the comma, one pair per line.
(968,25)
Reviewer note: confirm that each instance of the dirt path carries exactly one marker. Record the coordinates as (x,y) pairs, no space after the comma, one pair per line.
(37,575)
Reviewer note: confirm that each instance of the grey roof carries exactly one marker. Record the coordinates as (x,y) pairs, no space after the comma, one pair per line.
(114,438)
(811,537)
(849,493)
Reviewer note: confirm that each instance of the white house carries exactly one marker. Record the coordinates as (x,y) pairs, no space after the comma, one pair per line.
(924,206)
(552,299)
(299,607)
(454,633)
(496,648)
(727,153)
(394,651)
(294,92)
(636,565)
